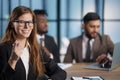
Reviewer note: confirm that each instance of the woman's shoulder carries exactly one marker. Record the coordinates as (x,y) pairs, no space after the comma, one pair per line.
(5,45)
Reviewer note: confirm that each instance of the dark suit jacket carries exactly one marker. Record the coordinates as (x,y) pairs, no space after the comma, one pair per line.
(102,44)
(7,73)
(52,47)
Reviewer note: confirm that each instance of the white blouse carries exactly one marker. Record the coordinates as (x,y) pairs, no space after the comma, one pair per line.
(25,59)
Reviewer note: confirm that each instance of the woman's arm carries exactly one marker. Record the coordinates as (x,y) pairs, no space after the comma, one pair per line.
(53,70)
(6,72)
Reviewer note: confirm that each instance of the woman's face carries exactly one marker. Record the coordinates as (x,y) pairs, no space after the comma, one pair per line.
(23,26)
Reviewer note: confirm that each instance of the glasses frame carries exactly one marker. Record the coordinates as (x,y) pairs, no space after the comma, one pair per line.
(22,23)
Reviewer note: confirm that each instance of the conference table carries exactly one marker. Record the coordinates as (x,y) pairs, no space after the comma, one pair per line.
(78,70)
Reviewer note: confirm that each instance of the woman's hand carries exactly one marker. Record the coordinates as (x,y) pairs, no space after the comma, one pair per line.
(15,55)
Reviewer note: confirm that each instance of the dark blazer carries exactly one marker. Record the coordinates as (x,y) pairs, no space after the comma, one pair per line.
(52,47)
(7,73)
(102,44)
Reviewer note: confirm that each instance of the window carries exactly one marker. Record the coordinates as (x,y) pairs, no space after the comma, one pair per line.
(70,14)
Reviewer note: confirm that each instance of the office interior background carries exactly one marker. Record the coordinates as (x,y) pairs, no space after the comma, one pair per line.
(65,17)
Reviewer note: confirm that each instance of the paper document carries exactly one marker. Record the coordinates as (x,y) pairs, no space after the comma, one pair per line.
(87,78)
(64,65)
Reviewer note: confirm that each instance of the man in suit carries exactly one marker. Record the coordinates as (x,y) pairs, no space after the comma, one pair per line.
(99,45)
(48,44)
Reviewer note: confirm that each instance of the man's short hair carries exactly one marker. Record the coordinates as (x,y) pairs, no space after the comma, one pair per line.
(91,16)
(40,12)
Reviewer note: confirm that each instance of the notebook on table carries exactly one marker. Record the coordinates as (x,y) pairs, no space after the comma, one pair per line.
(115,61)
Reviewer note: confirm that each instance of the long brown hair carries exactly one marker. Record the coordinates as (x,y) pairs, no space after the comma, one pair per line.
(10,36)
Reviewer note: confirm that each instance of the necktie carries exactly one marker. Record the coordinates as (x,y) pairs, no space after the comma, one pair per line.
(88,51)
(42,41)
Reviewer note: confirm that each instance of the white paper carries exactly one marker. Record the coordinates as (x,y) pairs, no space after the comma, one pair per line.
(87,78)
(64,65)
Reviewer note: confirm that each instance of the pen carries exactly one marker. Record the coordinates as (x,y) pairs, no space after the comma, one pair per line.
(85,77)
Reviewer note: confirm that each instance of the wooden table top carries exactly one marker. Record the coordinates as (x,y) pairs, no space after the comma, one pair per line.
(78,70)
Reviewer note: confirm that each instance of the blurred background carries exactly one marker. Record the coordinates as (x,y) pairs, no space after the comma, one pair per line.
(65,17)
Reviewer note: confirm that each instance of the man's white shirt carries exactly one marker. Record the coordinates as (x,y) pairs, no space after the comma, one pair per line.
(84,46)
(43,43)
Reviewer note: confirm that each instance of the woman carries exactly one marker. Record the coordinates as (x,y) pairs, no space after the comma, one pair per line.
(20,57)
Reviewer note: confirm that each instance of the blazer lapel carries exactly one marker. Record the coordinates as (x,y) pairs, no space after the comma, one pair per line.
(47,41)
(96,47)
(20,70)
(79,48)
(31,75)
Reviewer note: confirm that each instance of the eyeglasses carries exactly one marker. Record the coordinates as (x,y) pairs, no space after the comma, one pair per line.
(22,23)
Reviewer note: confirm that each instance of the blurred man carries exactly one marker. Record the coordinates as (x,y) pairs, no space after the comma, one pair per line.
(48,44)
(90,46)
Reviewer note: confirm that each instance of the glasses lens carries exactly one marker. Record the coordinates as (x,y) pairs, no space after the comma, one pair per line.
(30,24)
